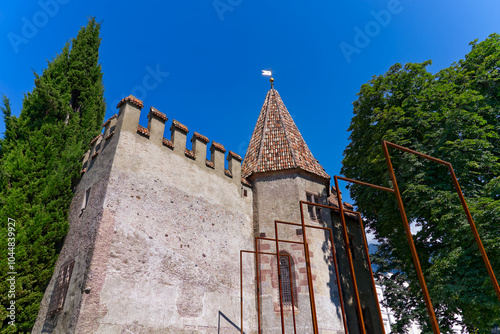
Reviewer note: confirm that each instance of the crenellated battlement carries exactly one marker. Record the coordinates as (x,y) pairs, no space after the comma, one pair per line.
(155,218)
(127,119)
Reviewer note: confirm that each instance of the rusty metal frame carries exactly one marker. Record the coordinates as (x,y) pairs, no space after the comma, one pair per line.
(409,237)
(257,253)
(460,195)
(406,225)
(342,211)
(279,279)
(351,265)
(308,267)
(311,288)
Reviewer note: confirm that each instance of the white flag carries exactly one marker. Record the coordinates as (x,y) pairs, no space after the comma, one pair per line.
(266,73)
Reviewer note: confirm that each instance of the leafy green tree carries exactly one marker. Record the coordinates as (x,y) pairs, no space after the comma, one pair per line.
(40,166)
(453,115)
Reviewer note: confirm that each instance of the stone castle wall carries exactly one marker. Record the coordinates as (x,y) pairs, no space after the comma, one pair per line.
(156,231)
(156,249)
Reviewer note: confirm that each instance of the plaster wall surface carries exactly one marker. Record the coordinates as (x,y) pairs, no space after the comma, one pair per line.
(172,254)
(276,197)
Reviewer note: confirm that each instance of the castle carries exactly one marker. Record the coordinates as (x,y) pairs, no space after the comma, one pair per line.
(156,234)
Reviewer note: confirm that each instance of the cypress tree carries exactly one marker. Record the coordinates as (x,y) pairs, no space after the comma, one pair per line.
(40,164)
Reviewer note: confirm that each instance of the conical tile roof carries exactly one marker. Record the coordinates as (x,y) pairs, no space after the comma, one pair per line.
(276,142)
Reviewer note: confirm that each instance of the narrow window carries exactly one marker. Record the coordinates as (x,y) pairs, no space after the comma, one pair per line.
(86,199)
(310,209)
(286,288)
(60,289)
(314,211)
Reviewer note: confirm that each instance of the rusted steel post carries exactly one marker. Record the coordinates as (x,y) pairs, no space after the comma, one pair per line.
(302,243)
(333,249)
(349,257)
(276,254)
(291,296)
(418,268)
(309,278)
(374,287)
(241,279)
(464,206)
(279,276)
(363,184)
(311,288)
(474,232)
(333,252)
(241,291)
(293,302)
(407,150)
(344,320)
(258,284)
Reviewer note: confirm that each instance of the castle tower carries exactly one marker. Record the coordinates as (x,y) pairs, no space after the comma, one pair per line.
(283,171)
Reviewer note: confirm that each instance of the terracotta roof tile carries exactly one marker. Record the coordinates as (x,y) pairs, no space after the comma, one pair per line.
(109,120)
(110,135)
(276,142)
(131,99)
(168,143)
(234,156)
(95,139)
(245,182)
(155,112)
(209,163)
(84,154)
(83,170)
(180,126)
(228,172)
(218,146)
(201,137)
(189,154)
(333,201)
(143,131)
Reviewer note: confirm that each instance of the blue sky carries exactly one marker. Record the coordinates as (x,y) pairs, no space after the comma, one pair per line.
(200,61)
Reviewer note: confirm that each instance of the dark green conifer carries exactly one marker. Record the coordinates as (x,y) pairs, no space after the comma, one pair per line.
(40,164)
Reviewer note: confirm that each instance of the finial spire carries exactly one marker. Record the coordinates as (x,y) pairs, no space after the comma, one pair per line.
(269,73)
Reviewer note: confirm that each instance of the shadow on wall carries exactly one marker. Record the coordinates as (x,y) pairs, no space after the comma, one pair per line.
(327,249)
(49,325)
(228,320)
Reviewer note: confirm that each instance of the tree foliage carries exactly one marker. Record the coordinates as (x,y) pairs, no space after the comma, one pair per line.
(40,164)
(453,115)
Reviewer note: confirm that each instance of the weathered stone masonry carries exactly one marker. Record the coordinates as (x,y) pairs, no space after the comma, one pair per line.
(156,230)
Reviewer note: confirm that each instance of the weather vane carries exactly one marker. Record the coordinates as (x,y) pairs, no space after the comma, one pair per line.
(269,73)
